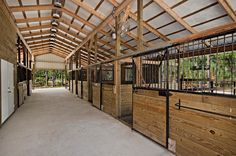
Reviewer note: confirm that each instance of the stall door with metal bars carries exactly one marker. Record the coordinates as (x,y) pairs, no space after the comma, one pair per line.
(7,90)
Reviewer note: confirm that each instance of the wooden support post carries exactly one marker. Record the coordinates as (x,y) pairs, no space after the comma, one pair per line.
(138,62)
(79,57)
(72,67)
(24,55)
(96,54)
(76,73)
(19,49)
(117,72)
(65,75)
(89,72)
(27,58)
(95,48)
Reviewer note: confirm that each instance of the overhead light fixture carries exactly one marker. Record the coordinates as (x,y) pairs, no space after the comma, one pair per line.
(54,23)
(52,39)
(113,35)
(57,3)
(56,14)
(53,35)
(53,30)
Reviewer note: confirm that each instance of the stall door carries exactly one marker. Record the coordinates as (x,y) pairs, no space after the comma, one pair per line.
(7,90)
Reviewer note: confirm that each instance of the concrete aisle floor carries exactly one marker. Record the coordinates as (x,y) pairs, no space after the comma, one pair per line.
(53,122)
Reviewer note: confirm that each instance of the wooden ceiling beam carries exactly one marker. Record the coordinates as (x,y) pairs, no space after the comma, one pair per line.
(173,14)
(101,25)
(76,36)
(51,52)
(102,54)
(32,34)
(208,32)
(35,27)
(50,46)
(6,10)
(88,8)
(42,7)
(31,8)
(48,50)
(66,43)
(228,8)
(58,44)
(145,24)
(35,19)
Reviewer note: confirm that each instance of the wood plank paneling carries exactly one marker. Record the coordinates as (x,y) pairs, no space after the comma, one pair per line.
(202,133)
(79,89)
(8,49)
(74,87)
(96,95)
(149,114)
(126,100)
(85,90)
(108,99)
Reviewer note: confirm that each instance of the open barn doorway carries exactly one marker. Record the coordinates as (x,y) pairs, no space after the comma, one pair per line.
(49,78)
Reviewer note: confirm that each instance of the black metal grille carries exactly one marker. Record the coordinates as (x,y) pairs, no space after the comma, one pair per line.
(107,73)
(202,66)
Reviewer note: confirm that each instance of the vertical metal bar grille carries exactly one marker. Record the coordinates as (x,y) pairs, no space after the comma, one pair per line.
(202,66)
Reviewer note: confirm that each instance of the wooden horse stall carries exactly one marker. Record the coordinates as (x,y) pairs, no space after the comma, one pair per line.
(202,124)
(70,81)
(84,87)
(73,86)
(126,92)
(79,86)
(29,82)
(96,85)
(149,97)
(82,78)
(185,97)
(22,84)
(108,90)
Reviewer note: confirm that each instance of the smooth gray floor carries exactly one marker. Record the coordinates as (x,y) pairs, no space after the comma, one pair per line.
(53,122)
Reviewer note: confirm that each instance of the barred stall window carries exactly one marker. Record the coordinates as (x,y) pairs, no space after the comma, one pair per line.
(205,65)
(126,73)
(108,73)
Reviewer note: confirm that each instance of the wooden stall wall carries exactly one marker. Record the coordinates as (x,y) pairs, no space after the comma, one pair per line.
(85,90)
(108,99)
(96,95)
(149,114)
(198,133)
(126,100)
(71,86)
(8,49)
(79,89)
(74,87)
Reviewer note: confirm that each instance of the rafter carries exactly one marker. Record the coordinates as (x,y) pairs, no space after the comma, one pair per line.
(88,8)
(31,8)
(49,47)
(173,14)
(6,9)
(101,51)
(101,25)
(35,19)
(36,34)
(208,32)
(48,52)
(226,5)
(35,27)
(35,7)
(145,24)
